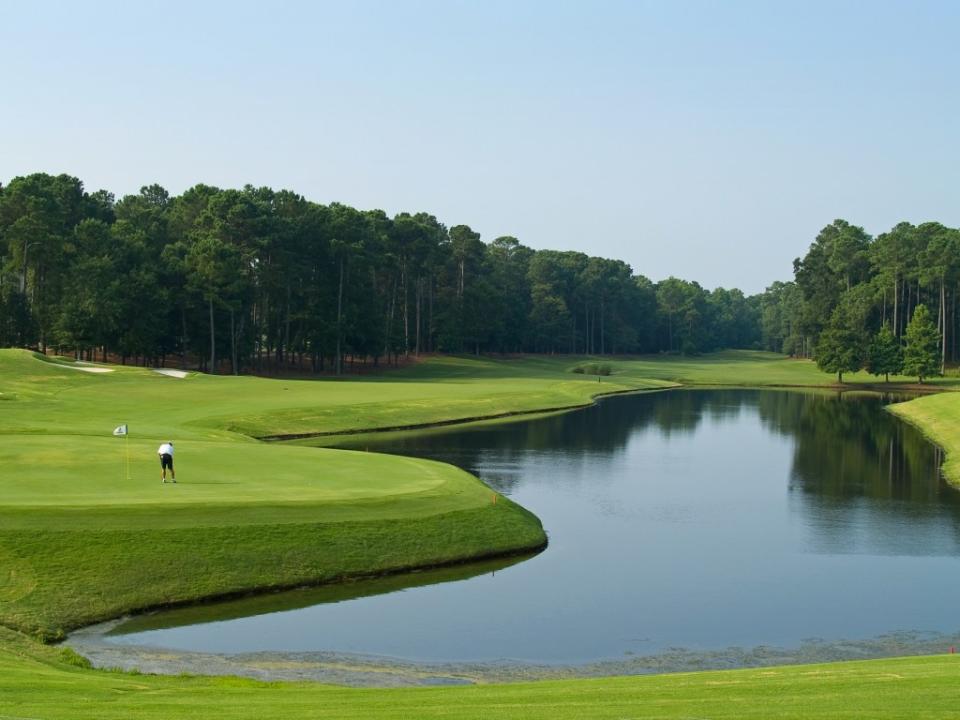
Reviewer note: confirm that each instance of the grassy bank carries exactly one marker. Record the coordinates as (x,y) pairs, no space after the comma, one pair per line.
(938,417)
(38,682)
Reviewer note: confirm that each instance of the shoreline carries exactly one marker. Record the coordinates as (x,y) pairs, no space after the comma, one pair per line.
(878,388)
(912,414)
(379,671)
(466,561)
(288,437)
(268,590)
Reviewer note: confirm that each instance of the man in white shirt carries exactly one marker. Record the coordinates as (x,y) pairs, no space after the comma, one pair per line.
(166,461)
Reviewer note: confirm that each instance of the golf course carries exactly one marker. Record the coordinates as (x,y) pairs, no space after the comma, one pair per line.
(88,532)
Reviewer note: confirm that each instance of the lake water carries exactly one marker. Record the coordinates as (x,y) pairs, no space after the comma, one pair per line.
(695,519)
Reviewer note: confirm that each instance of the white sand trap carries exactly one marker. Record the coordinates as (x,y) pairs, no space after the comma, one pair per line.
(89,368)
(171,373)
(78,365)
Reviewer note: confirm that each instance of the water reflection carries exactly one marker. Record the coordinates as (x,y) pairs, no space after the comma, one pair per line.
(250,607)
(700,519)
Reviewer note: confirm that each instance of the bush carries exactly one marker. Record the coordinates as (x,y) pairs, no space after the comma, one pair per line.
(593,369)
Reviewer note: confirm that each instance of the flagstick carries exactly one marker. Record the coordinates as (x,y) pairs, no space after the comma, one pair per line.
(126,445)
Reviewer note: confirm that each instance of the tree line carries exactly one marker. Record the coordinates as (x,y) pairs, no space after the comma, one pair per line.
(887,304)
(262,280)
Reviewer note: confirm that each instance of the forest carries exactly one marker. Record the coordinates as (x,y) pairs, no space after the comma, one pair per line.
(263,280)
(258,280)
(887,304)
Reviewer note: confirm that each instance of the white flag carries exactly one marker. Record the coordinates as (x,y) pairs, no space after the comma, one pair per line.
(120,430)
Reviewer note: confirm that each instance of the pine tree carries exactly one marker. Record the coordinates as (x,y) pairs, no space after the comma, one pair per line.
(921,354)
(885,355)
(837,352)
(841,347)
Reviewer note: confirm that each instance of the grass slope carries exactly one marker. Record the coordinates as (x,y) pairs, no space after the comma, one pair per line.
(938,416)
(38,682)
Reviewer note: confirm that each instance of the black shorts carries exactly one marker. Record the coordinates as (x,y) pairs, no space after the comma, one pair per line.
(166,461)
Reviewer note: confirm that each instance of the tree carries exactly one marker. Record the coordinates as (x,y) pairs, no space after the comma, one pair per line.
(38,214)
(508,263)
(892,255)
(885,355)
(835,262)
(847,253)
(685,305)
(348,230)
(840,348)
(549,317)
(921,356)
(939,264)
(214,268)
(734,321)
(270,277)
(92,284)
(781,308)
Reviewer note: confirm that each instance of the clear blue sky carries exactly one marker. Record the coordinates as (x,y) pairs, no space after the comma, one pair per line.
(708,140)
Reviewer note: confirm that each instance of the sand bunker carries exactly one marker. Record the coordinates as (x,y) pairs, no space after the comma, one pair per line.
(171,373)
(88,368)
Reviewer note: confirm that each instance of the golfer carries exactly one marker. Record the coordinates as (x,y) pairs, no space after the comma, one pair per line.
(166,461)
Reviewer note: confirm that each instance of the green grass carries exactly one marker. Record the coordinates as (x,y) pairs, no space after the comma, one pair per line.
(203,407)
(938,416)
(80,542)
(748,368)
(39,682)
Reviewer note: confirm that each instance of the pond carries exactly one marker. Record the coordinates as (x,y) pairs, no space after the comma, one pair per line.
(691,521)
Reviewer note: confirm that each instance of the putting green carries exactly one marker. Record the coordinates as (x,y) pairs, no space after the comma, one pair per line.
(71,471)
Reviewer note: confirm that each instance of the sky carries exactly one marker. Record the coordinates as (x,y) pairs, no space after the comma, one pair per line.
(705,140)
